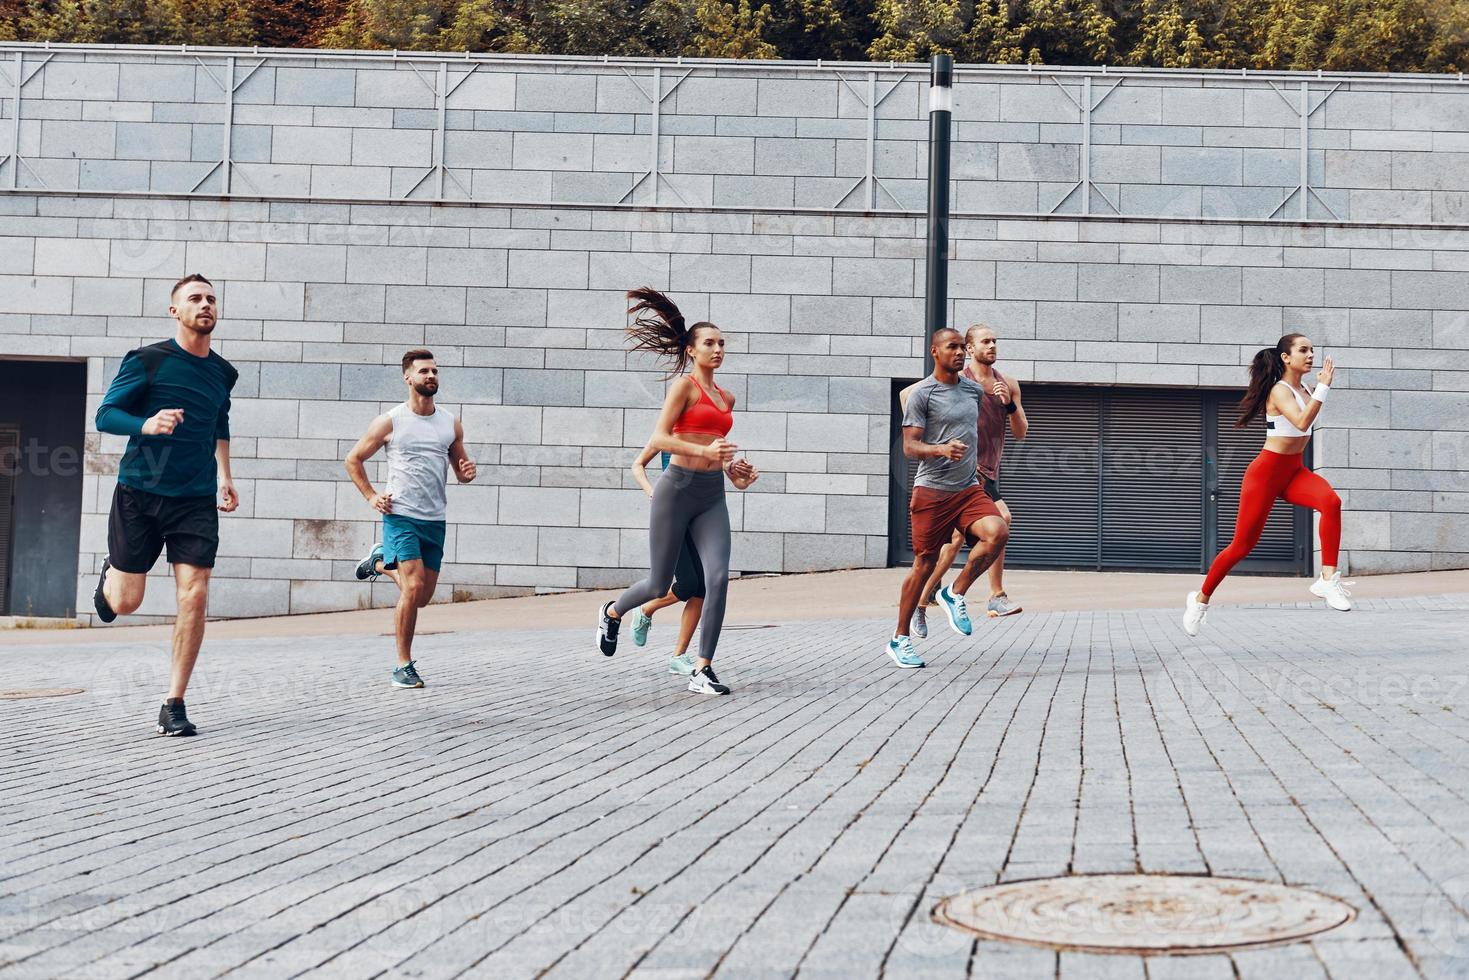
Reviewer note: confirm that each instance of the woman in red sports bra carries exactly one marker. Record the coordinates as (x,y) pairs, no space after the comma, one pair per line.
(689,497)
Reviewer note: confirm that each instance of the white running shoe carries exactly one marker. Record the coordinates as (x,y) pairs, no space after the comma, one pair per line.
(1334,591)
(920,622)
(1194,614)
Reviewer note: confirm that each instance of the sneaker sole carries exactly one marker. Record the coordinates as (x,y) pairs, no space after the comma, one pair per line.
(407,687)
(700,690)
(903,665)
(996,615)
(1328,603)
(180,734)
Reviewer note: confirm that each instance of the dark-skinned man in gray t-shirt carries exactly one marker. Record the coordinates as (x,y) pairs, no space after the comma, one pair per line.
(940,421)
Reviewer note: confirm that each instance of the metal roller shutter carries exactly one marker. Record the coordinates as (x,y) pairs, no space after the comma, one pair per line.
(1124,478)
(9,470)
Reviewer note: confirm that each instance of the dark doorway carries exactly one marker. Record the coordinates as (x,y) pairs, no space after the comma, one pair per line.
(1126,478)
(43,407)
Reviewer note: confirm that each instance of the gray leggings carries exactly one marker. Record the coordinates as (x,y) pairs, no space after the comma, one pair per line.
(692,502)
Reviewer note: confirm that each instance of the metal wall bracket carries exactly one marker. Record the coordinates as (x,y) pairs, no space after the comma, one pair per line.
(228,86)
(1303,192)
(655,167)
(442,88)
(21,80)
(870,101)
(1086,105)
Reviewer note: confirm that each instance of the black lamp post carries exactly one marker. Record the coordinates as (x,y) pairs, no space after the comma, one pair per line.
(940,112)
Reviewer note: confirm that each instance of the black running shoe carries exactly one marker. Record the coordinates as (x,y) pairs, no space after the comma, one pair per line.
(703,681)
(99,601)
(607,632)
(172,720)
(367,568)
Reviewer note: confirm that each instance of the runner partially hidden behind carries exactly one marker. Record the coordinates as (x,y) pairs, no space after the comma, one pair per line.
(172,401)
(688,584)
(940,425)
(689,498)
(1277,390)
(421,440)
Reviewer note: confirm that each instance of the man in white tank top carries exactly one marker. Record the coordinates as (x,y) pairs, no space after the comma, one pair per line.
(422,441)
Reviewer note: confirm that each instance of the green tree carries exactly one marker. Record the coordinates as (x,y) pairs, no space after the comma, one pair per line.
(994,37)
(486,25)
(732,30)
(831,30)
(204,22)
(406,25)
(915,30)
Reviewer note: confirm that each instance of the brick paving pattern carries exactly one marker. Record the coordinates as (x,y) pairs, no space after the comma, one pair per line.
(540,809)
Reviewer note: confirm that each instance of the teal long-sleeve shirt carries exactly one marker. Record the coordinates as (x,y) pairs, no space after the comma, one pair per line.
(160,376)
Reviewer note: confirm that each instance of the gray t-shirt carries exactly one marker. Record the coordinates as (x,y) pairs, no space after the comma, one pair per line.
(946,412)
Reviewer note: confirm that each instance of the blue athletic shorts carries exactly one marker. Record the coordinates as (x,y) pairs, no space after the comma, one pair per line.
(407,538)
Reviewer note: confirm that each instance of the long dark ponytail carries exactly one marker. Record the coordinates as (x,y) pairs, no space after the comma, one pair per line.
(658,327)
(1265,370)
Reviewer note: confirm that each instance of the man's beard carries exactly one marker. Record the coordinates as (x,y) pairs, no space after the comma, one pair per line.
(427,391)
(206,328)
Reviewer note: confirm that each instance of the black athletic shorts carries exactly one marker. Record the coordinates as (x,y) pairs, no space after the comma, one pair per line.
(142,523)
(688,574)
(991,488)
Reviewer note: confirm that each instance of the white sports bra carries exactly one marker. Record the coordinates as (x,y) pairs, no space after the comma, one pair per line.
(1279,425)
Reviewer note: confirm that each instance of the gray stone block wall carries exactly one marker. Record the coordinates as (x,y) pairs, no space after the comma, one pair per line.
(523,305)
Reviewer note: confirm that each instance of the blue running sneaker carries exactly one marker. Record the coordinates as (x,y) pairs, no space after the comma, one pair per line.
(682,664)
(367,568)
(407,676)
(920,622)
(640,626)
(900,648)
(957,611)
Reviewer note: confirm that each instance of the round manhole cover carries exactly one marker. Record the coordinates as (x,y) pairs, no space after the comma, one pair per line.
(16,693)
(1148,914)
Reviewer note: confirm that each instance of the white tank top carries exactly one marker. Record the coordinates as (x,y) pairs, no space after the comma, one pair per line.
(1279,425)
(418,462)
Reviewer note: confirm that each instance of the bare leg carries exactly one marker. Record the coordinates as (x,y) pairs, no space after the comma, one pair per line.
(649,608)
(124,590)
(992,535)
(689,622)
(997,570)
(414,589)
(192,587)
(945,562)
(923,567)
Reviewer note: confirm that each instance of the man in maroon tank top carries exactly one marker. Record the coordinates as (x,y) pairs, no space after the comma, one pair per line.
(1001,405)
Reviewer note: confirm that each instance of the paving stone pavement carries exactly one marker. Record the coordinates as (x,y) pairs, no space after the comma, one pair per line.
(540,809)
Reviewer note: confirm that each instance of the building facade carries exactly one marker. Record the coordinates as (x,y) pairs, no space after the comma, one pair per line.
(1133,237)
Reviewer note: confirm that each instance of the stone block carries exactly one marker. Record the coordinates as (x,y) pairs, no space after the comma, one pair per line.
(1039,161)
(330,301)
(714,155)
(1076,321)
(70,139)
(826,433)
(507,307)
(425,304)
(113,175)
(302,144)
(872,277)
(795,157)
(78,80)
(811,275)
(1126,164)
(792,393)
(540,387)
(800,97)
(387,264)
(154,83)
(785,512)
(581,426)
(1218,105)
(1038,102)
(306,263)
(334,86)
(35,294)
(553,270)
(573,546)
(1284,287)
(1200,284)
(555,92)
(1158,322)
(107,297)
(540,506)
(1117,283)
(553,151)
(710,273)
(1201,165)
(1036,280)
(1430,290)
(823,552)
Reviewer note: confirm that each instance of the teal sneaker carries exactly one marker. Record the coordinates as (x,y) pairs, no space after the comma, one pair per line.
(682,664)
(407,676)
(367,568)
(957,611)
(900,648)
(640,625)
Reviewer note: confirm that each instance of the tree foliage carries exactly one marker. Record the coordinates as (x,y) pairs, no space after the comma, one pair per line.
(1347,35)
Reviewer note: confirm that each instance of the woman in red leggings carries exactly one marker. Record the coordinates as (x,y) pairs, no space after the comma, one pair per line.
(1277,391)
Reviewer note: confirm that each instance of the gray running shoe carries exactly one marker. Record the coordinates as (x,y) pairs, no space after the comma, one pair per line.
(1002,605)
(407,676)
(683,664)
(920,622)
(703,681)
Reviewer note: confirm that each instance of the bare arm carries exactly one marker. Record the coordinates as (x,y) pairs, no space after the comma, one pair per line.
(640,468)
(1282,402)
(230,497)
(464,468)
(915,448)
(374,439)
(1019,424)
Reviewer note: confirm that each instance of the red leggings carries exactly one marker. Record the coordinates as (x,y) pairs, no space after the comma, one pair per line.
(1273,475)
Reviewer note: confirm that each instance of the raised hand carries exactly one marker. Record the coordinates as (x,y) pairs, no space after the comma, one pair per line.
(1327,372)
(467,470)
(1001,391)
(164,422)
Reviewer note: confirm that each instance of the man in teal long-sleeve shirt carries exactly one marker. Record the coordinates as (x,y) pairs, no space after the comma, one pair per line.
(172,401)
